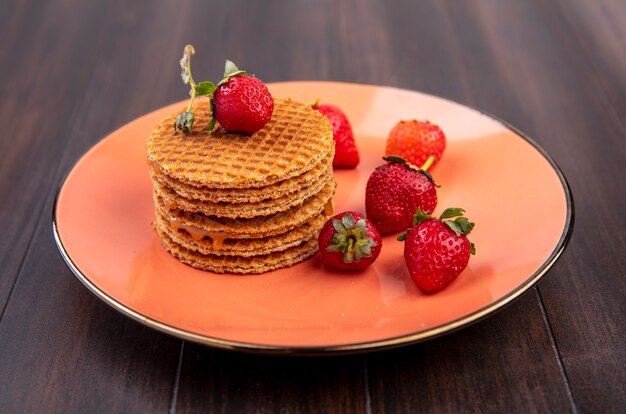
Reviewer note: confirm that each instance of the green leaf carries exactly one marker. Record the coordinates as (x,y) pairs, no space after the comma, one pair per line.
(339,227)
(472,248)
(348,221)
(205,88)
(184,122)
(454,226)
(396,159)
(402,237)
(358,254)
(451,212)
(333,248)
(366,249)
(360,223)
(420,216)
(211,126)
(465,224)
(230,68)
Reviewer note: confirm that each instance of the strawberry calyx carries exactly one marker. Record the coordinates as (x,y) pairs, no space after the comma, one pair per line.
(460,225)
(351,239)
(423,169)
(230,70)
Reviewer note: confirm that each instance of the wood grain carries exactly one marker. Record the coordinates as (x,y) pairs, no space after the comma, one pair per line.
(39,93)
(221,381)
(485,368)
(73,71)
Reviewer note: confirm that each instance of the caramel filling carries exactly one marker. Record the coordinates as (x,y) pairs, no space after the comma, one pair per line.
(328,208)
(196,233)
(218,238)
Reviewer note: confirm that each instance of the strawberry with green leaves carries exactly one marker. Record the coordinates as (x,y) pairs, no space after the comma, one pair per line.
(395,190)
(437,250)
(348,241)
(240,102)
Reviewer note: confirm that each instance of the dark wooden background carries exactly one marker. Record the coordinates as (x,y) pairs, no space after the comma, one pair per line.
(72,71)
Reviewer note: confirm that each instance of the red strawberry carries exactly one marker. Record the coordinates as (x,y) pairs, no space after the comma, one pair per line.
(348,241)
(239,102)
(437,250)
(415,141)
(346,152)
(242,103)
(394,191)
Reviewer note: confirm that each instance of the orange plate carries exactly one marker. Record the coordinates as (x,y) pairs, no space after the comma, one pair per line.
(510,188)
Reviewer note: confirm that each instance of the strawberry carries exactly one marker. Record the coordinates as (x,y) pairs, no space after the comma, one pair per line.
(436,250)
(348,241)
(239,102)
(242,103)
(415,141)
(346,152)
(395,190)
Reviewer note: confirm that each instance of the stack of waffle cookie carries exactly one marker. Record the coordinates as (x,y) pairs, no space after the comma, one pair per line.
(232,203)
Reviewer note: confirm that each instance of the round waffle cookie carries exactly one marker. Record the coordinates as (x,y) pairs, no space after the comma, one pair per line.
(246,195)
(241,210)
(230,203)
(217,243)
(253,228)
(238,264)
(294,141)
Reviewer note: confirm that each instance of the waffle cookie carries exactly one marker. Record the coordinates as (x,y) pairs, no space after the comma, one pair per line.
(231,203)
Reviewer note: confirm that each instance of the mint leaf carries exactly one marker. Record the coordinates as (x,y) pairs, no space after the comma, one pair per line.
(451,212)
(205,88)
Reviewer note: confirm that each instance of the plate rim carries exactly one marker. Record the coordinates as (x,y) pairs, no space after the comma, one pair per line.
(380,344)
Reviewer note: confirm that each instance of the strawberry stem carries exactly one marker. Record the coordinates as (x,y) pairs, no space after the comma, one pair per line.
(428,163)
(186,62)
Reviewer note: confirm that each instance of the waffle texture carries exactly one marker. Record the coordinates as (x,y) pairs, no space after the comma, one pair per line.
(294,141)
(246,195)
(230,203)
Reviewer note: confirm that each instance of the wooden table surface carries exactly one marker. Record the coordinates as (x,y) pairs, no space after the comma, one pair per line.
(73,71)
